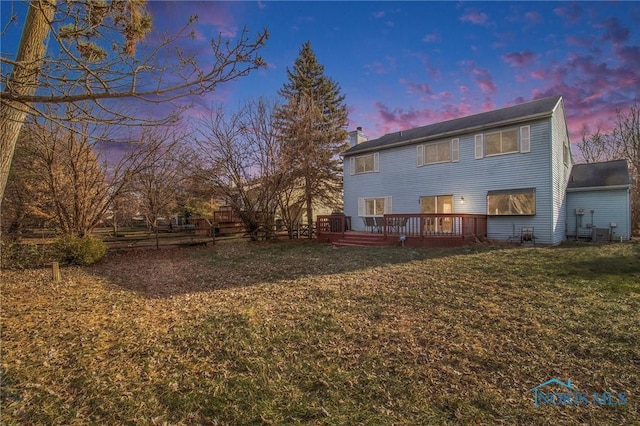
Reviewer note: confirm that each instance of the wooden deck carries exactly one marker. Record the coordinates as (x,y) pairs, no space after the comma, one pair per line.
(411,230)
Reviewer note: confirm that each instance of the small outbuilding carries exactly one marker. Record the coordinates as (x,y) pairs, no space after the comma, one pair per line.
(599,201)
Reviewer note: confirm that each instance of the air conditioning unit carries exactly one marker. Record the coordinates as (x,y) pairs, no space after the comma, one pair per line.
(600,234)
(579,211)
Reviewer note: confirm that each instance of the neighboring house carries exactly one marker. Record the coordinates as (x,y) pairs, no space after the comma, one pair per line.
(511,164)
(599,200)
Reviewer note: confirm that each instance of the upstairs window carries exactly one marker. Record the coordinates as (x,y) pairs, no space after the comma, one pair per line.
(439,152)
(503,142)
(364,164)
(512,202)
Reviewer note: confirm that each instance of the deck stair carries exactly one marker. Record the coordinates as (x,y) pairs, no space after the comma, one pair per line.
(364,239)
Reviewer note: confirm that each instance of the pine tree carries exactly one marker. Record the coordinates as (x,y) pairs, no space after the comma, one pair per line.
(312,124)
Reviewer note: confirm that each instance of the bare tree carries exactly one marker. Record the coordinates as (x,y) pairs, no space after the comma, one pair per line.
(158,184)
(241,161)
(75,51)
(25,193)
(622,142)
(69,181)
(626,135)
(77,188)
(597,147)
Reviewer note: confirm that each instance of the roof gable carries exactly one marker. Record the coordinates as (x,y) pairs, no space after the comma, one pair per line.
(592,175)
(538,108)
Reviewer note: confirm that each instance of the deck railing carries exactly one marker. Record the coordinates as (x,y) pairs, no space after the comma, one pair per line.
(434,225)
(333,224)
(411,224)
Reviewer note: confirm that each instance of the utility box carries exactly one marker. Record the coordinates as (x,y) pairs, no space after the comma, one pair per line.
(600,235)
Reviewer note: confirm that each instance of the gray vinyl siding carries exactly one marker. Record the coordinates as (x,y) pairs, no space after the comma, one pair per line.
(400,178)
(559,174)
(608,205)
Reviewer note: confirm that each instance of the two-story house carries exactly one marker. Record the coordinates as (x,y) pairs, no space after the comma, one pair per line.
(511,166)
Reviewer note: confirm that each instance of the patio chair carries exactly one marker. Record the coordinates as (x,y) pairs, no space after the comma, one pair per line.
(369,223)
(379,223)
(397,224)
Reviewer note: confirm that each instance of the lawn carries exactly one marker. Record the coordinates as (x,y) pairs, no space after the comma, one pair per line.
(302,333)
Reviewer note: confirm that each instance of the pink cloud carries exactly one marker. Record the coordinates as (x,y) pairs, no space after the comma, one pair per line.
(379,14)
(533,17)
(538,74)
(520,59)
(431,70)
(423,88)
(521,78)
(443,95)
(571,14)
(488,104)
(379,67)
(482,78)
(473,16)
(432,38)
(392,120)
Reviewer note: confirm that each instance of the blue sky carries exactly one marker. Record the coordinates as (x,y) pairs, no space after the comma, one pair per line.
(408,64)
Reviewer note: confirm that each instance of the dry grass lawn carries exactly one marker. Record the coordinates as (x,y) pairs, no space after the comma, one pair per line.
(301,333)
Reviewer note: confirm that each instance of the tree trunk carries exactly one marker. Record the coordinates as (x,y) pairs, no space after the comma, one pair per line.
(23,80)
(309,196)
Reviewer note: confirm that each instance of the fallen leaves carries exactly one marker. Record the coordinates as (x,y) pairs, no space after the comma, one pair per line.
(301,333)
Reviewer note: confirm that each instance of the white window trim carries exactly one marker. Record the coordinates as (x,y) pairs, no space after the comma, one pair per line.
(507,152)
(524,142)
(376,164)
(388,208)
(525,139)
(479,147)
(454,149)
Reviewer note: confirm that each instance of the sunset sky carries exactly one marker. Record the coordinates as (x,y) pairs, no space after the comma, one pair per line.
(407,64)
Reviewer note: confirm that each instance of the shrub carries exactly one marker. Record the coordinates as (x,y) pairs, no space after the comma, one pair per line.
(75,250)
(15,255)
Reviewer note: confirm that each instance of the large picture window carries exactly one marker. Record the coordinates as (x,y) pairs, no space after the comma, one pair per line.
(512,202)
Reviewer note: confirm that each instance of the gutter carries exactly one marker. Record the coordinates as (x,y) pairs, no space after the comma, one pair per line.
(598,188)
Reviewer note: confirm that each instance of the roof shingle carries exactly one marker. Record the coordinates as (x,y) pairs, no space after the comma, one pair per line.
(540,107)
(593,175)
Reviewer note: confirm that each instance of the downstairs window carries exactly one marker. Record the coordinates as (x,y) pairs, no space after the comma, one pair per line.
(512,202)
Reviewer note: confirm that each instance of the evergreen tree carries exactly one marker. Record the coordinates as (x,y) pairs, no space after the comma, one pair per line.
(311,125)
